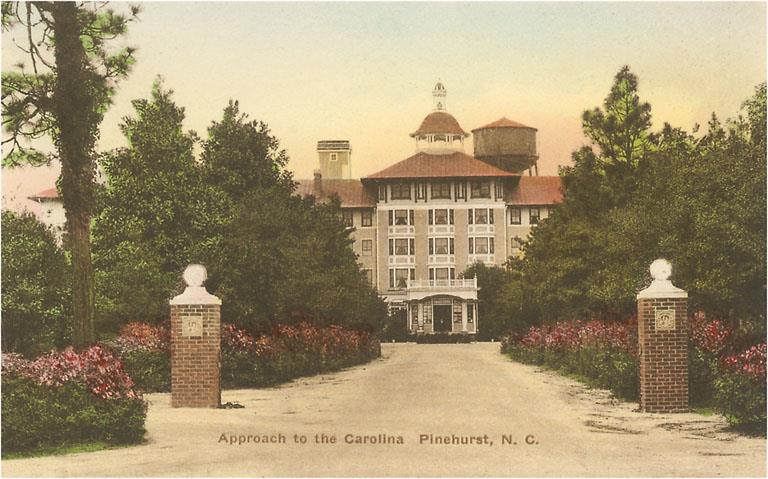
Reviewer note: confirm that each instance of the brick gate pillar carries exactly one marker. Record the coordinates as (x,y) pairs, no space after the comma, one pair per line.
(195,344)
(662,321)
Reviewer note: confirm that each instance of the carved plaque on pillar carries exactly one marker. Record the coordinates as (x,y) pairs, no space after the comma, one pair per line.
(191,326)
(665,320)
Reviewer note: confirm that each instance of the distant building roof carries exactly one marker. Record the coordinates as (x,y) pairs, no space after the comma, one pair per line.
(537,190)
(439,122)
(49,194)
(449,165)
(504,122)
(352,193)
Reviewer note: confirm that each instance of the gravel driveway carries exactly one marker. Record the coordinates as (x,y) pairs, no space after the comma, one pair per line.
(421,410)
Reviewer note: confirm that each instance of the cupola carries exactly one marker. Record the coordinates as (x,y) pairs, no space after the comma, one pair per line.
(439,132)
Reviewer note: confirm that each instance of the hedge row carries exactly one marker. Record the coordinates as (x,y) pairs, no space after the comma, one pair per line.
(605,355)
(287,353)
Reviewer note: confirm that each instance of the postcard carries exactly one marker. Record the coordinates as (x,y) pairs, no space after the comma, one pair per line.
(408,239)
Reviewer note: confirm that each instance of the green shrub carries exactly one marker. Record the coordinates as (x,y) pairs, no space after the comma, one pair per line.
(741,400)
(702,367)
(36,416)
(36,286)
(243,369)
(150,370)
(740,388)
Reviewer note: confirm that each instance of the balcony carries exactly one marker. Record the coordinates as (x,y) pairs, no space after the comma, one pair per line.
(422,288)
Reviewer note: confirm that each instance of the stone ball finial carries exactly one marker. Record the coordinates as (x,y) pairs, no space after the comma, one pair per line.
(661,269)
(195,275)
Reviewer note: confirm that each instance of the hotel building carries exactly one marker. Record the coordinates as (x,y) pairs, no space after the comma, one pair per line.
(420,222)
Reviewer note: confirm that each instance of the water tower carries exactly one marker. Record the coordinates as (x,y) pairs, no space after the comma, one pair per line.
(508,145)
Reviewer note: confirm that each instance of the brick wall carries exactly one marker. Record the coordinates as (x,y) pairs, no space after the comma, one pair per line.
(195,361)
(663,356)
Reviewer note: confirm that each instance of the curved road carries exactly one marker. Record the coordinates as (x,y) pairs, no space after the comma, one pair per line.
(506,419)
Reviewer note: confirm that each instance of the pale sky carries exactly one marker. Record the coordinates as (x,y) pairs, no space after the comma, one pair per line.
(365,71)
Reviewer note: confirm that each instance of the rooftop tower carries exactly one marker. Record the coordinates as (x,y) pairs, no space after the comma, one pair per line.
(335,159)
(439,132)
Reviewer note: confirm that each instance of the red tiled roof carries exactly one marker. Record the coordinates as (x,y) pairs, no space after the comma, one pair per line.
(504,122)
(49,194)
(537,190)
(439,122)
(450,165)
(351,192)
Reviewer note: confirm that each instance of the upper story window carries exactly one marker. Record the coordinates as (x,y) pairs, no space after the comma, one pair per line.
(461,190)
(499,189)
(534,215)
(481,189)
(401,191)
(480,216)
(347,217)
(421,191)
(366,247)
(334,156)
(516,244)
(402,247)
(401,217)
(442,274)
(398,278)
(441,217)
(515,215)
(441,191)
(366,218)
(382,192)
(481,245)
(441,246)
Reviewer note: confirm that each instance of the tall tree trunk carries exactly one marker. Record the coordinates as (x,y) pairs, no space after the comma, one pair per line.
(77,118)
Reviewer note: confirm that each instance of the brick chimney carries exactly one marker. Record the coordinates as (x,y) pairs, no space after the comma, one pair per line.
(317,186)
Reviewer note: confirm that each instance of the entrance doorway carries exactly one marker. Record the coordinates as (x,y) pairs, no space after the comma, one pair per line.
(442,317)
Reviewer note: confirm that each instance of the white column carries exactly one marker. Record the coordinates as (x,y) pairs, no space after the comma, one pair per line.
(421,316)
(464,316)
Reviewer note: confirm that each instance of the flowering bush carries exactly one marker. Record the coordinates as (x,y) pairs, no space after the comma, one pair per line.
(740,392)
(96,368)
(599,351)
(142,336)
(710,336)
(68,398)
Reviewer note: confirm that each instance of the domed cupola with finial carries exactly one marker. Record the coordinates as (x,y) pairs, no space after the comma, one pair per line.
(439,132)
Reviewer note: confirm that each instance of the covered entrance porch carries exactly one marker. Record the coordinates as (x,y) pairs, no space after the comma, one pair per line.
(442,306)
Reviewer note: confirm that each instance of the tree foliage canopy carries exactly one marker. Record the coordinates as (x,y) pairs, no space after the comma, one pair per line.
(697,200)
(272,257)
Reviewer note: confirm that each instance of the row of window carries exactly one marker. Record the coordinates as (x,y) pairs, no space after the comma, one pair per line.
(406,246)
(477,245)
(478,216)
(516,215)
(427,314)
(440,190)
(348,218)
(398,277)
(445,216)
